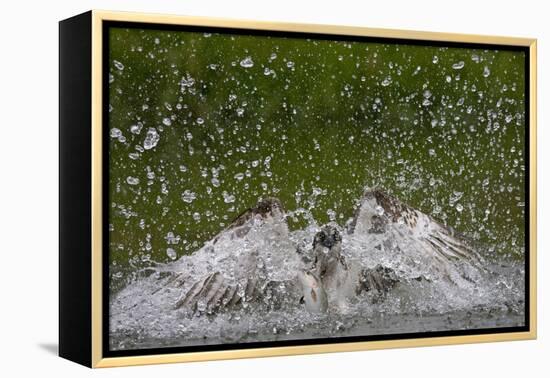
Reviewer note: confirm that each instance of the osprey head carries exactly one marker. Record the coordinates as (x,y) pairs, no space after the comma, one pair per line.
(328,237)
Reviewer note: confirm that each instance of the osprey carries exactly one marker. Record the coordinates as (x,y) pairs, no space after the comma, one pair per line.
(398,245)
(340,279)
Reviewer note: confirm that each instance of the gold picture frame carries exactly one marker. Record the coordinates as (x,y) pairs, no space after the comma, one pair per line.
(80,274)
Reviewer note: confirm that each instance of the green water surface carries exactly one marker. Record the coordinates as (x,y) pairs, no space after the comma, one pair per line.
(312,122)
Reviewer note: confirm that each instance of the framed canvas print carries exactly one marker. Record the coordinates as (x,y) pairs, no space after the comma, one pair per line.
(235,189)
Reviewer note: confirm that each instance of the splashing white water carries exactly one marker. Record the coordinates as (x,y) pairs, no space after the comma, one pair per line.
(431,294)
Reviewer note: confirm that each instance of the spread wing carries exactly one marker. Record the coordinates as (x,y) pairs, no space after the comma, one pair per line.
(379,213)
(266,209)
(232,271)
(415,246)
(215,293)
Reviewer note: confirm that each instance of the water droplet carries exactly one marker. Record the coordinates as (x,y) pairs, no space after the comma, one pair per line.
(247,62)
(186,82)
(228,198)
(119,66)
(171,238)
(239,176)
(196,216)
(459,207)
(132,180)
(136,129)
(435,59)
(115,133)
(188,196)
(486,71)
(183,168)
(386,81)
(166,121)
(458,65)
(290,64)
(151,139)
(171,253)
(200,121)
(455,197)
(215,182)
(240,112)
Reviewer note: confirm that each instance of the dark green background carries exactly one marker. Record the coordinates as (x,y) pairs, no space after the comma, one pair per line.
(333,116)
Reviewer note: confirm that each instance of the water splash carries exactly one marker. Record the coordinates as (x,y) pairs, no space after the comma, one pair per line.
(259,261)
(247,62)
(458,65)
(151,139)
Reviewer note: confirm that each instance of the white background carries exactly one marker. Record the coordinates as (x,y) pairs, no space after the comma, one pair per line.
(29,189)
